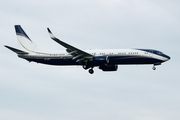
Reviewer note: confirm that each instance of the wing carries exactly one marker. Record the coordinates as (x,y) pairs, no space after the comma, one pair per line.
(79,55)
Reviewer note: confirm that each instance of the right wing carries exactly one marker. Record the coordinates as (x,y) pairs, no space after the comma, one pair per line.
(79,55)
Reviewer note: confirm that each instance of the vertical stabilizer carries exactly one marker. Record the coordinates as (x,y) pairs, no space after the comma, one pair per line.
(24,40)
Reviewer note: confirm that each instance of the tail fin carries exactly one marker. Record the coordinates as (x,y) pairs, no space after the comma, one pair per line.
(24,40)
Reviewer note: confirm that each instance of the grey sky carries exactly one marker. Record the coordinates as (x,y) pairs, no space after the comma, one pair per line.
(36,91)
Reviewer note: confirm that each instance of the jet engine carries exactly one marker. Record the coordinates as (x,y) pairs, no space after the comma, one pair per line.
(108,67)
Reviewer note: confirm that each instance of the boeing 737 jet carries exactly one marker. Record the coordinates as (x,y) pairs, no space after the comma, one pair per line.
(106,60)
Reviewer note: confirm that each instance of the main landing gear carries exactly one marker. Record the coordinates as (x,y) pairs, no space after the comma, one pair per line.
(91,71)
(86,67)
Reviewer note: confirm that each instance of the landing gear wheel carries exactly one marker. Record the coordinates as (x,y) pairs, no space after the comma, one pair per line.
(154,68)
(91,71)
(85,67)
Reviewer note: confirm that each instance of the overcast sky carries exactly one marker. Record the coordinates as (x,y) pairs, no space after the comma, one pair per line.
(36,91)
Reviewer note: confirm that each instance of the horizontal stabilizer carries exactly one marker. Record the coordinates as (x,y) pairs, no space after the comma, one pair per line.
(16,50)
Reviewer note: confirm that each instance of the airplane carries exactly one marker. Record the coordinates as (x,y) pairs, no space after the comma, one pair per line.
(105,59)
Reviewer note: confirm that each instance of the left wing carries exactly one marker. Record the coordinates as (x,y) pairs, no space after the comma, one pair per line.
(79,55)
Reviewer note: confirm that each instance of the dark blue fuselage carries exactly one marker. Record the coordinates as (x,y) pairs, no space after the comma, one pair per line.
(119,60)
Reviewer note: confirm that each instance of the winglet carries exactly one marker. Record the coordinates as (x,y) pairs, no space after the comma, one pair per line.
(50,33)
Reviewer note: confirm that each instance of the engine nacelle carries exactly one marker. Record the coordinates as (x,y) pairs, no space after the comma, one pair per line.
(109,67)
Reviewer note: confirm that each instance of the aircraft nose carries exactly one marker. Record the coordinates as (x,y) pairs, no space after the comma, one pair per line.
(168,58)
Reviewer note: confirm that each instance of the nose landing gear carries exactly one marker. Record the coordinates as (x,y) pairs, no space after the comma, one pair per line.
(154,68)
